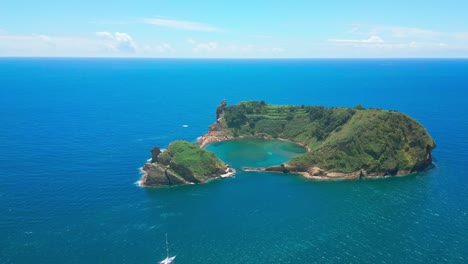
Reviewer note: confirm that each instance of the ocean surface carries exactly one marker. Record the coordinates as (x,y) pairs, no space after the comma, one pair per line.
(74,132)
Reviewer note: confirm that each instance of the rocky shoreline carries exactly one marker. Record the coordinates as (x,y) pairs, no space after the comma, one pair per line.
(213,136)
(145,183)
(316,173)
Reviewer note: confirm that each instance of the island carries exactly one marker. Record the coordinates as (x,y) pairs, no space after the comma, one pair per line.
(341,142)
(182,163)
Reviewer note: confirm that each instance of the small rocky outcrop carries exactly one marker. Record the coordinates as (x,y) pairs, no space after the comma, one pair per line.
(156,174)
(154,154)
(182,163)
(220,109)
(219,130)
(316,172)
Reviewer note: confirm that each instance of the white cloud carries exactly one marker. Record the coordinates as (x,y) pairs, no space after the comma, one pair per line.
(161,48)
(191,41)
(104,34)
(402,32)
(407,32)
(110,22)
(218,49)
(12,44)
(45,39)
(102,44)
(181,24)
(206,47)
(400,40)
(120,42)
(372,39)
(413,45)
(278,50)
(270,51)
(462,36)
(125,42)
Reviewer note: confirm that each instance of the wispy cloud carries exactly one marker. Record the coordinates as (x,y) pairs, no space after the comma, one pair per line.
(372,39)
(100,44)
(405,32)
(181,24)
(112,22)
(206,47)
(104,34)
(14,44)
(191,41)
(223,49)
(400,32)
(400,38)
(398,46)
(45,39)
(163,48)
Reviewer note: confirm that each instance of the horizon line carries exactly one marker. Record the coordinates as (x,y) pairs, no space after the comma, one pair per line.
(234,58)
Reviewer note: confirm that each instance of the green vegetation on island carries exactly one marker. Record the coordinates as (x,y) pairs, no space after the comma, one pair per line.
(343,142)
(181,163)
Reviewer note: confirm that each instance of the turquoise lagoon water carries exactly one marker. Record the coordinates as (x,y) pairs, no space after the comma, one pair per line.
(255,152)
(74,132)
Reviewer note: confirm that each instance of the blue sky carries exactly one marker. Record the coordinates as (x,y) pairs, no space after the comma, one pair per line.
(235,29)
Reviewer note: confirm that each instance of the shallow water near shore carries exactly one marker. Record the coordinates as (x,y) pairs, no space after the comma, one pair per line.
(75,131)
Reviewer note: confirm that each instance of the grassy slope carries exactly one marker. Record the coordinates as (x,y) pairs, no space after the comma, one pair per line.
(183,156)
(341,139)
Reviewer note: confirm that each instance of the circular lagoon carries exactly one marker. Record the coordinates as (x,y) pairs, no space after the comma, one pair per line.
(255,152)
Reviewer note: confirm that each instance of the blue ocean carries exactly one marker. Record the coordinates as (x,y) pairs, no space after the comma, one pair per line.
(74,133)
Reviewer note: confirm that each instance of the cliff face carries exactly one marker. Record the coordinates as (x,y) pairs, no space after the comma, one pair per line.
(374,141)
(343,143)
(182,163)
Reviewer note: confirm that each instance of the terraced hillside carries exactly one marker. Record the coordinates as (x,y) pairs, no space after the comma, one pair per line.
(342,142)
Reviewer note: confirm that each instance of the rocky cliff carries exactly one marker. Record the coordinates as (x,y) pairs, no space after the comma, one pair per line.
(182,163)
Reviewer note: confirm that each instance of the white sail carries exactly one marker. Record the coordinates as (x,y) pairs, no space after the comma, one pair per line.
(168,260)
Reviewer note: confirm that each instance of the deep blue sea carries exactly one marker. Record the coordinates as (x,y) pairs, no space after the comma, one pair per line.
(73,133)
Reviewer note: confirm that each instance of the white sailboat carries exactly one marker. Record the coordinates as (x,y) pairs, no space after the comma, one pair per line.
(168,259)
